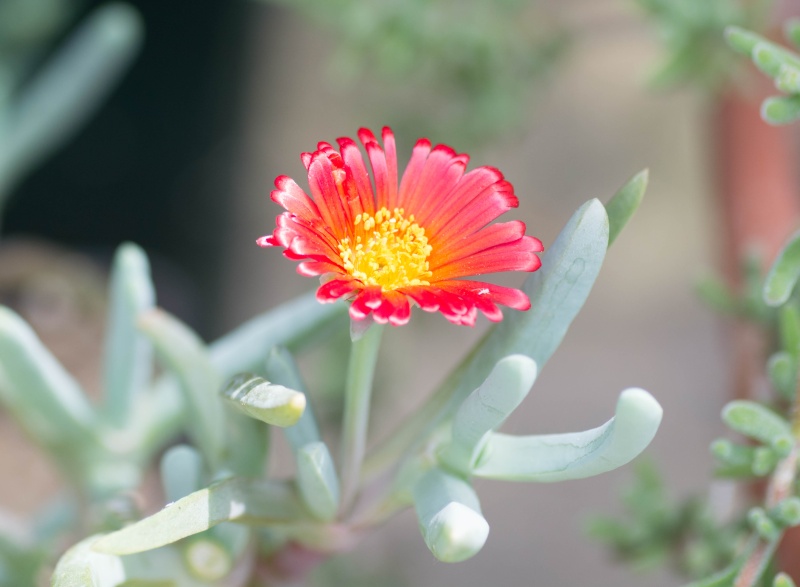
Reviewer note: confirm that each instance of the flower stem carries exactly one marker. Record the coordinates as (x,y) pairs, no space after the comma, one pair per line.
(358,391)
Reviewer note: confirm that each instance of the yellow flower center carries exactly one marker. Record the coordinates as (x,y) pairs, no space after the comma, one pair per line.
(390,250)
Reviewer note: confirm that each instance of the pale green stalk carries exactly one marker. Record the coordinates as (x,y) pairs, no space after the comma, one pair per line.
(358,391)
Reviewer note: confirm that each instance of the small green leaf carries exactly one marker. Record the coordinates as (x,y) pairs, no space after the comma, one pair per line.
(742,40)
(128,364)
(559,457)
(449,516)
(787,512)
(236,499)
(781,109)
(791,29)
(184,353)
(755,421)
(273,404)
(763,525)
(783,580)
(317,480)
(735,461)
(784,273)
(782,372)
(245,348)
(769,58)
(788,79)
(764,461)
(486,408)
(625,202)
(789,324)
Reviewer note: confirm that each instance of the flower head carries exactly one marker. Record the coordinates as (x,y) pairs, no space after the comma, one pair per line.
(383,243)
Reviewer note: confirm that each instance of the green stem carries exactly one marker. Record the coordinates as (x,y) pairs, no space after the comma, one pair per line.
(358,391)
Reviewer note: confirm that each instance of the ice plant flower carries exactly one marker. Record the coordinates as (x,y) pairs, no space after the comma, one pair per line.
(383,244)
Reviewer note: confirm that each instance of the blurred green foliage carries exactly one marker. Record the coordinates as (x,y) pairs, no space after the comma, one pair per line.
(656,531)
(463,70)
(692,31)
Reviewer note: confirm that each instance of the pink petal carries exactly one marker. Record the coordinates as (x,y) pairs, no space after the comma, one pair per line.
(475,214)
(314,268)
(412,174)
(384,166)
(357,171)
(294,199)
(516,256)
(336,288)
(327,196)
(495,234)
(395,309)
(441,172)
(367,300)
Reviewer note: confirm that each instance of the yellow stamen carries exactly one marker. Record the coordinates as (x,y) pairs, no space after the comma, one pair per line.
(390,250)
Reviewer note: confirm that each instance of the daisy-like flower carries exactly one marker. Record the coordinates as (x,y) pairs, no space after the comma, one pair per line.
(383,244)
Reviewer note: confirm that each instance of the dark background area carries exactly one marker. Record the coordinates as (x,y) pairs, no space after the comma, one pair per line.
(153,164)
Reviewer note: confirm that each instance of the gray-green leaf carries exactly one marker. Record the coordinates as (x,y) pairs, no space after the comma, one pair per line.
(559,457)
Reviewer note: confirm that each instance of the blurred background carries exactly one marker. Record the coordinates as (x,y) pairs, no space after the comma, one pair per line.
(223,96)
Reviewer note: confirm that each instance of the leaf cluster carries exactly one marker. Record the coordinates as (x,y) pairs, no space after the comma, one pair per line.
(777,62)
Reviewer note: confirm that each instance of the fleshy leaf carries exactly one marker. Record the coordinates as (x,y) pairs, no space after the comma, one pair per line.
(559,457)
(181,472)
(787,512)
(67,90)
(317,480)
(742,40)
(788,79)
(558,291)
(273,404)
(784,273)
(232,500)
(245,348)
(734,460)
(128,364)
(624,203)
(449,516)
(184,353)
(281,368)
(756,421)
(45,400)
(789,323)
(783,580)
(769,58)
(782,371)
(781,109)
(792,30)
(81,566)
(486,409)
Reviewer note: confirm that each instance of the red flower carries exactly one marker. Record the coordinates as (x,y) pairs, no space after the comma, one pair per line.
(384,246)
